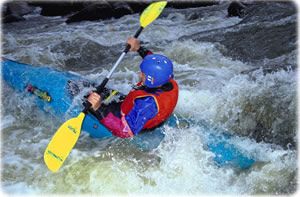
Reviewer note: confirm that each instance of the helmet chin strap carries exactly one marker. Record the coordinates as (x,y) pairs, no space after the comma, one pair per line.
(165,87)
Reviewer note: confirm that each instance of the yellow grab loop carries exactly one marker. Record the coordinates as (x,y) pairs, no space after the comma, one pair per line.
(63,142)
(111,95)
(152,12)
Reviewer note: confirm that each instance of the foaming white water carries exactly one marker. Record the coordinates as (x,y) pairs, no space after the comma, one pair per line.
(180,165)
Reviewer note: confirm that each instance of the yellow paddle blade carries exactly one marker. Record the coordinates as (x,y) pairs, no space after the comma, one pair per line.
(62,142)
(152,12)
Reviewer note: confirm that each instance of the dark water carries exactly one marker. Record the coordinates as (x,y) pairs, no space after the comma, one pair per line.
(209,52)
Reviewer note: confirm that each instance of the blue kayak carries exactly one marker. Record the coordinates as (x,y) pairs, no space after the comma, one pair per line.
(57,90)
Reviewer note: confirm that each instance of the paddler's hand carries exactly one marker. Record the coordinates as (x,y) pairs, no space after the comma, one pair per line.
(134,44)
(95,100)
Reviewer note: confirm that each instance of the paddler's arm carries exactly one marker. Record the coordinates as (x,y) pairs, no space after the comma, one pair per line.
(135,46)
(131,124)
(144,109)
(127,125)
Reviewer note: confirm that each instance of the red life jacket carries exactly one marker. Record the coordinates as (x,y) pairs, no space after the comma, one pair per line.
(165,101)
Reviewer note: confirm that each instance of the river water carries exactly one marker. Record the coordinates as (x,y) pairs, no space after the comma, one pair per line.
(259,109)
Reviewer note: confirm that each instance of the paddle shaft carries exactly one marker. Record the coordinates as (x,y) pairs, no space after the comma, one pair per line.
(100,88)
(67,135)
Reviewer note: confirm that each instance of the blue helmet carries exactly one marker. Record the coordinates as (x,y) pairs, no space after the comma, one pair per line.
(158,70)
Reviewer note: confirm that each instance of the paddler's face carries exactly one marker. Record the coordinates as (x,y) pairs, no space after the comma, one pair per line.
(142,76)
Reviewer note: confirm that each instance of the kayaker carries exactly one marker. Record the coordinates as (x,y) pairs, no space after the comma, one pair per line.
(148,104)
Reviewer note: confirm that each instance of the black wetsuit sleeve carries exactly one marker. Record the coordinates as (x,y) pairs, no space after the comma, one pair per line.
(143,52)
